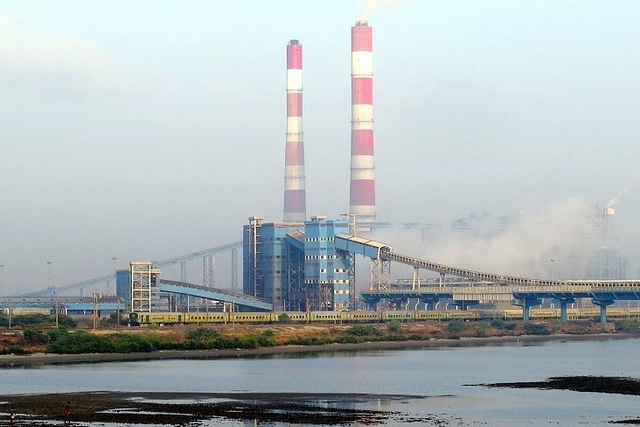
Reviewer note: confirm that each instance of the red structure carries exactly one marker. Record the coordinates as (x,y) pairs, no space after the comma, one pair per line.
(295,205)
(363,194)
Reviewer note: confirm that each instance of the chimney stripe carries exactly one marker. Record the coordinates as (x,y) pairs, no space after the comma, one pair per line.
(362,187)
(294,178)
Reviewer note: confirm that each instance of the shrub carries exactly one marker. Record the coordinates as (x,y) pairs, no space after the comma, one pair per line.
(498,323)
(268,333)
(66,321)
(14,349)
(455,326)
(628,325)
(363,330)
(535,328)
(63,341)
(35,337)
(202,334)
(394,326)
(284,318)
(126,343)
(351,339)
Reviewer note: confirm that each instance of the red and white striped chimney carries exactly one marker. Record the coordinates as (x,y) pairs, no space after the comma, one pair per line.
(295,205)
(363,194)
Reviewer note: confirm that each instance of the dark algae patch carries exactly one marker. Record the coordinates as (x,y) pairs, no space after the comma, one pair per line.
(584,383)
(190,408)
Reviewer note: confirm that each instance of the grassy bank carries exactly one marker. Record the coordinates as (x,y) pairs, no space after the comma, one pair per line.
(80,339)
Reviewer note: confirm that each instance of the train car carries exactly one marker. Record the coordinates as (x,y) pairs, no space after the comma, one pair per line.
(402,316)
(157,318)
(547,313)
(430,315)
(294,316)
(364,316)
(583,313)
(216,317)
(327,316)
(240,317)
(463,315)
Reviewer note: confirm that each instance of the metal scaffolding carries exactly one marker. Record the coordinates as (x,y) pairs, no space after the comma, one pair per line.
(143,278)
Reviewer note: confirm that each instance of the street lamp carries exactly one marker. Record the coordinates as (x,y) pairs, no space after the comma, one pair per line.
(1,278)
(49,266)
(115,284)
(553,269)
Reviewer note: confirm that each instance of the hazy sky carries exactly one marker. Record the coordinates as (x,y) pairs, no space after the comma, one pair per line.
(145,130)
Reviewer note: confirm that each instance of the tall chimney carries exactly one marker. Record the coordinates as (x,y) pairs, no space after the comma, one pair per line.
(295,205)
(363,194)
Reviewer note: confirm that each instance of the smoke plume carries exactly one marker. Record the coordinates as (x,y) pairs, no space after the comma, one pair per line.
(537,246)
(372,6)
(615,200)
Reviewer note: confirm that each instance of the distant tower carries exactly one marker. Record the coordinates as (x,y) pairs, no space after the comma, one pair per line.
(294,188)
(363,194)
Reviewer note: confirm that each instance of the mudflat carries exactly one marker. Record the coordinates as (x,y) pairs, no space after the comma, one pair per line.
(191,408)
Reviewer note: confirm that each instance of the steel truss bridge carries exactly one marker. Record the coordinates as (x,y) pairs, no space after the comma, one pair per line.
(521,291)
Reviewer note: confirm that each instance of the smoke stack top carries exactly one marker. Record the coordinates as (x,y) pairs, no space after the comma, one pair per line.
(362,22)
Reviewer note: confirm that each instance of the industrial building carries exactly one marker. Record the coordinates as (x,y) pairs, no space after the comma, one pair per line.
(296,266)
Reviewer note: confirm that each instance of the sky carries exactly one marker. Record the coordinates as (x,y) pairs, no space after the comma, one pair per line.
(146,130)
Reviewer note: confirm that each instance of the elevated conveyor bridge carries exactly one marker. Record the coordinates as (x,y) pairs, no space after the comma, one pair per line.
(522,291)
(238,299)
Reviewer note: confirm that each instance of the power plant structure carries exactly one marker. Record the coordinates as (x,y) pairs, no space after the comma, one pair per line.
(294,179)
(296,266)
(362,186)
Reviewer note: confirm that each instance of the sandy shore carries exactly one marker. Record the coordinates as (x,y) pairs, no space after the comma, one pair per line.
(8,361)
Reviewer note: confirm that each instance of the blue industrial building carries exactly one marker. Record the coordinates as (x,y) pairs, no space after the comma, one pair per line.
(296,266)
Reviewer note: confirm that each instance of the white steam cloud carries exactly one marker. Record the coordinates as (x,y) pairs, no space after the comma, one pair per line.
(372,6)
(548,244)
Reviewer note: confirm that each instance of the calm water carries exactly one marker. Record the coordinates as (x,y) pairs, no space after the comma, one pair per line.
(440,374)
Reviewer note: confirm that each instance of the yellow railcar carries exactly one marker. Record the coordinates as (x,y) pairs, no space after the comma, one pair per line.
(397,315)
(430,315)
(548,313)
(240,317)
(327,316)
(294,316)
(364,316)
(463,315)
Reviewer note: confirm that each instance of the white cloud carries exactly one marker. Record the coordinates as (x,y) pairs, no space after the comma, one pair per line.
(56,64)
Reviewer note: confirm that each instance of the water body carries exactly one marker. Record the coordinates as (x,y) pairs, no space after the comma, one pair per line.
(444,376)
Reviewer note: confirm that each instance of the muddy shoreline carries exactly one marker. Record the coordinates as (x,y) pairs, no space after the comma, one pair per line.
(146,408)
(8,361)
